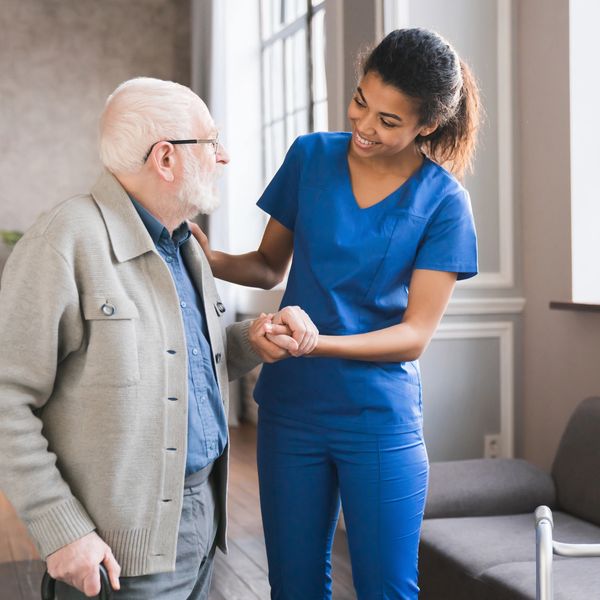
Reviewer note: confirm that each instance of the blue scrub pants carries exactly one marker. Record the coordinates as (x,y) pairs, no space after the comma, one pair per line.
(382,481)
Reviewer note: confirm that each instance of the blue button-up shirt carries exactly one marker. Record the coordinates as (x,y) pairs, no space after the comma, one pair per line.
(207,423)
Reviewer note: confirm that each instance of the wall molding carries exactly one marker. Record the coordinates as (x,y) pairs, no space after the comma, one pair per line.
(252,301)
(485,306)
(504,332)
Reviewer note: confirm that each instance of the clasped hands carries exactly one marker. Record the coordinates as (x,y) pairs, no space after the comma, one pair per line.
(290,332)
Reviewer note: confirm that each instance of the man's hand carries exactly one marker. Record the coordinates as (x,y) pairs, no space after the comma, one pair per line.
(302,329)
(77,564)
(281,344)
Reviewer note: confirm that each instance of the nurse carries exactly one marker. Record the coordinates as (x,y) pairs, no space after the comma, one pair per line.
(380,229)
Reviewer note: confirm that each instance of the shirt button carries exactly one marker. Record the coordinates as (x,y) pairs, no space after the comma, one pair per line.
(183,304)
(195,351)
(169,259)
(203,399)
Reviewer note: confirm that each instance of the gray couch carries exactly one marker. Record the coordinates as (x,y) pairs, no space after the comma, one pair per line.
(478,538)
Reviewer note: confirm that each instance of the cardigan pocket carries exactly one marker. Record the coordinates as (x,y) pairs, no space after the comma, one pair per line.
(111,357)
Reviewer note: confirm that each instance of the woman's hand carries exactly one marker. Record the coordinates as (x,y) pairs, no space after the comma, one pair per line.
(290,332)
(202,240)
(302,329)
(263,268)
(271,342)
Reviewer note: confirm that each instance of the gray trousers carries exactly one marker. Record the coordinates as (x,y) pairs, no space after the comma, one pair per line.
(195,552)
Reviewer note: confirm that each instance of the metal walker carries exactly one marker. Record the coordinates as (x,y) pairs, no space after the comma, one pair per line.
(546,547)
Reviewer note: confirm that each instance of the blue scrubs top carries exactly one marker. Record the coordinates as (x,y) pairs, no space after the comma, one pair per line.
(350,272)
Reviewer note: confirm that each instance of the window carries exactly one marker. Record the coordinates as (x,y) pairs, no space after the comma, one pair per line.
(584,130)
(294,91)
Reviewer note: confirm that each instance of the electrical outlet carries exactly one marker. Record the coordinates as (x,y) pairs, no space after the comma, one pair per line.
(491,445)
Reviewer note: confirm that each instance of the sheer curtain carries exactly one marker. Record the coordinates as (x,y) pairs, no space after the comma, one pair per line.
(208,82)
(202,51)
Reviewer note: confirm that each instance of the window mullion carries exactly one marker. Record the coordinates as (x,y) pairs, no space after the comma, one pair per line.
(309,66)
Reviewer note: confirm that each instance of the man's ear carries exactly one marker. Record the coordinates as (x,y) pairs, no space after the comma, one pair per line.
(163,160)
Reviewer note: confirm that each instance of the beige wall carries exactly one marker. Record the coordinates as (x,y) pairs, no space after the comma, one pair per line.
(59,59)
(561,349)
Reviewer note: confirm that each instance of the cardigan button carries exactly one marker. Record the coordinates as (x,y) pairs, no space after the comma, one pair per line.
(108,309)
(218,357)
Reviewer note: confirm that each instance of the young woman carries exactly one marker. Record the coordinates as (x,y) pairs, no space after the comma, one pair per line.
(380,232)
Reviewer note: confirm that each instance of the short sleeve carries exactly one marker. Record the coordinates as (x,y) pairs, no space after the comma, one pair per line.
(450,241)
(280,199)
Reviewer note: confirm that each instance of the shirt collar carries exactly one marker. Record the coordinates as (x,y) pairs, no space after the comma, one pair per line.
(157,230)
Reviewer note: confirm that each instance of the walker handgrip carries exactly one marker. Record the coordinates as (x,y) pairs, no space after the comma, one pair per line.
(49,584)
(543,513)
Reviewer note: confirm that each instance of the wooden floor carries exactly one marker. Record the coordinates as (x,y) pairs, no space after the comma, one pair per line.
(241,575)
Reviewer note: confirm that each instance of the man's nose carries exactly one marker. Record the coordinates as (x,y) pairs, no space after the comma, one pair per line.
(222,155)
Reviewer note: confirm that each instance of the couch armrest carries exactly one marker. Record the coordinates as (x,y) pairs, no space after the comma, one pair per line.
(485,487)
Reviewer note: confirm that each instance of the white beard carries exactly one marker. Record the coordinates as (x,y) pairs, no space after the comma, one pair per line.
(199,189)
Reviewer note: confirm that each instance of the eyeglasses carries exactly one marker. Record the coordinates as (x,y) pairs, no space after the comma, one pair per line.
(214,142)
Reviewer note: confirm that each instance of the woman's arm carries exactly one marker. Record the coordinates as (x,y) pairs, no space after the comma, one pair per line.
(428,297)
(263,268)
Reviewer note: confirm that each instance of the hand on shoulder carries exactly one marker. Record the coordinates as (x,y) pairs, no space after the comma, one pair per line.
(201,238)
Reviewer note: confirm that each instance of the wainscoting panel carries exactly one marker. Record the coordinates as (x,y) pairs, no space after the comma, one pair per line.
(468,389)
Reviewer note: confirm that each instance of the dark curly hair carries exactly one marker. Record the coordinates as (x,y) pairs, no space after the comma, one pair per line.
(424,66)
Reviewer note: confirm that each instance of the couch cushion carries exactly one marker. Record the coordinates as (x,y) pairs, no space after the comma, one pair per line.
(574,579)
(485,487)
(577,463)
(476,544)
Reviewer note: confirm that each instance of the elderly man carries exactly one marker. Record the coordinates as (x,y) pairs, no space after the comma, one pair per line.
(114,365)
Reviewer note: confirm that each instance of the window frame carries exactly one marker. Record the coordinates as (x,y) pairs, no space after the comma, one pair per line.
(304,21)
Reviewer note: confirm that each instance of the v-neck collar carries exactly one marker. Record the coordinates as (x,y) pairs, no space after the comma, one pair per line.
(348,179)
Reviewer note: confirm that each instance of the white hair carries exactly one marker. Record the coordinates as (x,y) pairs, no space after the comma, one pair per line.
(141,112)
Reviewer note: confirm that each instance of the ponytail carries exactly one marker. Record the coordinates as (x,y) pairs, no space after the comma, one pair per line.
(453,143)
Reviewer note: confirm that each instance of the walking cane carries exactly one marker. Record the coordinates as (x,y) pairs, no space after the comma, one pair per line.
(49,584)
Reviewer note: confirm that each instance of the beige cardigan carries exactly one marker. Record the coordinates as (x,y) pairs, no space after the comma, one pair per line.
(93,405)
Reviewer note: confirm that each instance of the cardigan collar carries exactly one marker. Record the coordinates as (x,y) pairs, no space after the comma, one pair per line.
(128,234)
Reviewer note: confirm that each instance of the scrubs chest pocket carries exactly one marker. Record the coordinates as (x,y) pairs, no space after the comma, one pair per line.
(112,352)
